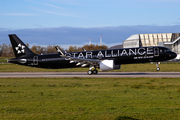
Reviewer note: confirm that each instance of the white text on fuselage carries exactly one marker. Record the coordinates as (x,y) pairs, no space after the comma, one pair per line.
(113,53)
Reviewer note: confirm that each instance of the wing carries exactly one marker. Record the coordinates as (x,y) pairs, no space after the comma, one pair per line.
(80,61)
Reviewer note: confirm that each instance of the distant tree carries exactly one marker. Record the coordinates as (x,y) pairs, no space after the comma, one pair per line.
(6,50)
(2,48)
(10,51)
(102,47)
(51,49)
(94,47)
(72,49)
(34,49)
(27,45)
(37,49)
(45,50)
(87,48)
(80,49)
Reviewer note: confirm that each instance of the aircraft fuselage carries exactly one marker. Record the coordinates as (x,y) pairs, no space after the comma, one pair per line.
(120,56)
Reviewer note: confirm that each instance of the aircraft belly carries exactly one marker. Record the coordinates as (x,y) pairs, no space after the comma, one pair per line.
(56,65)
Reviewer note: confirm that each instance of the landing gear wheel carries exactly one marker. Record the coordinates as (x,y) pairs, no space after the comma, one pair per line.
(158,69)
(95,72)
(90,72)
(157,66)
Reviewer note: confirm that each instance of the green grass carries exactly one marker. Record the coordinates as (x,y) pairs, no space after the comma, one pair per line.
(4,59)
(90,98)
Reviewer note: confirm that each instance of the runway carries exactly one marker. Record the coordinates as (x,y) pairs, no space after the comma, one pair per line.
(84,74)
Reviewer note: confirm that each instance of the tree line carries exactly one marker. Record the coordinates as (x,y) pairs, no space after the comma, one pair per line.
(7,51)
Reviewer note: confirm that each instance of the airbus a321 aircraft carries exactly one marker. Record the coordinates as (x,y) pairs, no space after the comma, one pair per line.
(105,60)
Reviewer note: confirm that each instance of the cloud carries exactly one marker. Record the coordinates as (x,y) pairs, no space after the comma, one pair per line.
(59,12)
(53,6)
(17,14)
(66,36)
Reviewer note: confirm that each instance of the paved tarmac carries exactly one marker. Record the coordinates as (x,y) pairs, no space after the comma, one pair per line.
(84,74)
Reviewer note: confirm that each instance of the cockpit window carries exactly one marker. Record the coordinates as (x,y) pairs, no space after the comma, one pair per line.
(167,50)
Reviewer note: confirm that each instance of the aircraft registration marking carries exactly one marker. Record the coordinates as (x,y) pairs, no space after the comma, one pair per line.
(143,57)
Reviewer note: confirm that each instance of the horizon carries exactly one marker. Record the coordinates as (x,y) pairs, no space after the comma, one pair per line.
(71,36)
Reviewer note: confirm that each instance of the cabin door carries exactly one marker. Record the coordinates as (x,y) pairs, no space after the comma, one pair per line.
(35,60)
(156,51)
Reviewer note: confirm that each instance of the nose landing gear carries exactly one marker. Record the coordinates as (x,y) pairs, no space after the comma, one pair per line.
(157,66)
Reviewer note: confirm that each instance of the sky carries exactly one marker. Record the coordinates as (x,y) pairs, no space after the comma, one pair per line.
(72,22)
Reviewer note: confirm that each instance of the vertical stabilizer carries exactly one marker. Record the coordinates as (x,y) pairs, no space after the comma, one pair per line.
(19,48)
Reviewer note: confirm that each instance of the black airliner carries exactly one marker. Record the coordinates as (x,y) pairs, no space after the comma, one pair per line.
(105,60)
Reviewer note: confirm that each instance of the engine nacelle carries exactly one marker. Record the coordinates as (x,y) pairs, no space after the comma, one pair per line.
(22,61)
(108,65)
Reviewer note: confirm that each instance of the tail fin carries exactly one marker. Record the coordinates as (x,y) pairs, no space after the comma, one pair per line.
(19,48)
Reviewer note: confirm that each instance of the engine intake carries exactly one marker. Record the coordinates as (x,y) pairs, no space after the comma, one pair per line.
(106,65)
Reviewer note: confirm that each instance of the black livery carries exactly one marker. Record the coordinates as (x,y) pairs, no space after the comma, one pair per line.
(109,59)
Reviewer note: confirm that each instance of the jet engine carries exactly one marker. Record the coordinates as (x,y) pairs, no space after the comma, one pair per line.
(106,65)
(22,61)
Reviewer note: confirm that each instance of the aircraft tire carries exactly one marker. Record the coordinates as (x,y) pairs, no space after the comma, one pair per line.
(95,72)
(158,69)
(90,72)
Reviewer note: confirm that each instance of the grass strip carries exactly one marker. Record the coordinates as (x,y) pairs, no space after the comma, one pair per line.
(90,98)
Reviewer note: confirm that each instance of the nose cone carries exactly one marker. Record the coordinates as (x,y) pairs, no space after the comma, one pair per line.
(173,55)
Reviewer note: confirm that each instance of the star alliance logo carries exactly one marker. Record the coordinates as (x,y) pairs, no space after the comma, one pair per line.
(20,49)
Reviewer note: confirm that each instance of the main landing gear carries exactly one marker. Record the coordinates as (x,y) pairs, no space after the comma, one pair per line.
(90,72)
(157,66)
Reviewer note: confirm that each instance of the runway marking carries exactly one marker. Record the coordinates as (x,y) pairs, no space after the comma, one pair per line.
(84,74)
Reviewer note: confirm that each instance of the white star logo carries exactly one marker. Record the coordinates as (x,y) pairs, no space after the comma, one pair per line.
(20,49)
